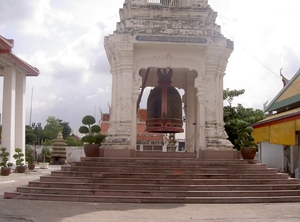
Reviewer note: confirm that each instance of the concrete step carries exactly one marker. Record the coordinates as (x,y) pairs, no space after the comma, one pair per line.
(163,160)
(155,169)
(206,181)
(143,199)
(171,165)
(157,193)
(168,176)
(150,180)
(163,187)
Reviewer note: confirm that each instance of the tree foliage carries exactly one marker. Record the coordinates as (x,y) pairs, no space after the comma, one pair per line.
(66,129)
(72,141)
(238,117)
(88,120)
(30,136)
(229,95)
(33,135)
(52,128)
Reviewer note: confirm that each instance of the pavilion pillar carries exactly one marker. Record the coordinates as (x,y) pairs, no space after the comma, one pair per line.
(120,140)
(133,140)
(9,109)
(201,143)
(20,111)
(190,115)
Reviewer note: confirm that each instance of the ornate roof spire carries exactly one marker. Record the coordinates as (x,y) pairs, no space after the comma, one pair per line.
(284,80)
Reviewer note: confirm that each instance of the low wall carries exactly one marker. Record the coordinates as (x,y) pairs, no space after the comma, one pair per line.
(73,153)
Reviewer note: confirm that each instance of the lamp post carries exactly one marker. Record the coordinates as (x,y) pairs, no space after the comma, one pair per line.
(35,128)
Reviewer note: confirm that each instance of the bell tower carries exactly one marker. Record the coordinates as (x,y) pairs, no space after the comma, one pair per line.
(178,35)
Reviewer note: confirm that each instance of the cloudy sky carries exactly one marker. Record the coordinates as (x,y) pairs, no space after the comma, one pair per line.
(64,40)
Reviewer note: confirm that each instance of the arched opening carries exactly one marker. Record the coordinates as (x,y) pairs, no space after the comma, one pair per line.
(182,83)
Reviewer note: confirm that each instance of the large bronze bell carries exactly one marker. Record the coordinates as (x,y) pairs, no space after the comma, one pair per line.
(164,106)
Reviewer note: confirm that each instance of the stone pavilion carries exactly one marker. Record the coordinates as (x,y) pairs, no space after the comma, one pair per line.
(180,35)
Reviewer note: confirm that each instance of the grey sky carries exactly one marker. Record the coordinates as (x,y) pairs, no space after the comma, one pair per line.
(64,40)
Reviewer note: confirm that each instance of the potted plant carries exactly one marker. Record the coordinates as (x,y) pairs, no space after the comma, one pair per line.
(93,138)
(29,154)
(19,157)
(246,141)
(46,155)
(5,165)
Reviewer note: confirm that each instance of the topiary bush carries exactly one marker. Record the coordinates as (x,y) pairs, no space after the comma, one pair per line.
(4,158)
(93,135)
(19,157)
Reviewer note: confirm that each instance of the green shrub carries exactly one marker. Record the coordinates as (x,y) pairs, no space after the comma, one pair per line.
(4,158)
(46,154)
(29,154)
(19,157)
(92,132)
(71,141)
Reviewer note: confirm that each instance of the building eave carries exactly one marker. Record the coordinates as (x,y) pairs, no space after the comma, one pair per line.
(274,105)
(279,118)
(6,55)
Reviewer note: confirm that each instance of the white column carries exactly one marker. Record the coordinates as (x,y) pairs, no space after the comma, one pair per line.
(117,105)
(113,110)
(190,116)
(201,117)
(8,110)
(201,141)
(219,98)
(20,111)
(133,139)
(120,130)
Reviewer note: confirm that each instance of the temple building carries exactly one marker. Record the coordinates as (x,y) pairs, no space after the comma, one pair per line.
(278,132)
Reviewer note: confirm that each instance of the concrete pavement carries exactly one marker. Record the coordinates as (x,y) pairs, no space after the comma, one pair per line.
(19,210)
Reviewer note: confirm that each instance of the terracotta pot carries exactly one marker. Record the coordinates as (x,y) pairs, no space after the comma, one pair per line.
(5,171)
(91,150)
(248,153)
(21,169)
(31,166)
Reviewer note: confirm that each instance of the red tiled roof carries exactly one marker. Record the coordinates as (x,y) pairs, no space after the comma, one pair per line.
(6,46)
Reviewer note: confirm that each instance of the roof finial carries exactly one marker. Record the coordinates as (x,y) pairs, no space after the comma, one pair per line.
(284,80)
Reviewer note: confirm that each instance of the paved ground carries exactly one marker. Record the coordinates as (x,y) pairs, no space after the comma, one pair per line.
(44,211)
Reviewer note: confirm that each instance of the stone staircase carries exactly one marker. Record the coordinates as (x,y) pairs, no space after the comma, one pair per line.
(162,180)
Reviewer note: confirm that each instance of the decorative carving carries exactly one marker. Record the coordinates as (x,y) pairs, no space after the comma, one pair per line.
(199,81)
(168,61)
(199,24)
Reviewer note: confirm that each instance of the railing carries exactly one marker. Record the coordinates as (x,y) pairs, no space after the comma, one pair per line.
(165,2)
